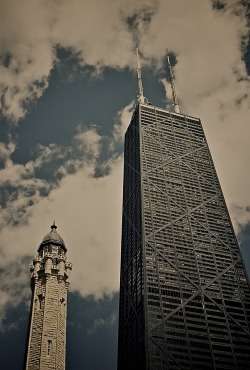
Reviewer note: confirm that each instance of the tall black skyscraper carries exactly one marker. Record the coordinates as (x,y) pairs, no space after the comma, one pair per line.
(184,295)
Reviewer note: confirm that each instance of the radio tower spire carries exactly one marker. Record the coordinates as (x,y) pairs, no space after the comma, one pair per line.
(141,98)
(175,101)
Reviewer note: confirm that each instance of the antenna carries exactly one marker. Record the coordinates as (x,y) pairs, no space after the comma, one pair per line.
(141,98)
(175,101)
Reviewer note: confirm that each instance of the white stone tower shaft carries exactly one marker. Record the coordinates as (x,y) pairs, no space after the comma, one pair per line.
(49,283)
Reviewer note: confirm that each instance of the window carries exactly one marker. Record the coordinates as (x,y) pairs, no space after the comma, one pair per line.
(49,347)
(40,301)
(62,305)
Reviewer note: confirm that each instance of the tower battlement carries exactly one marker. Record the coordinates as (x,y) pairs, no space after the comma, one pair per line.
(49,283)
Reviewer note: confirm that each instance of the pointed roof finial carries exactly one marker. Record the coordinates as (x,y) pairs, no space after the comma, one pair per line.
(54,225)
(141,98)
(175,101)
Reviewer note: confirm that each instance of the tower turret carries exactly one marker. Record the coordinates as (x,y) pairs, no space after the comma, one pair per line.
(49,283)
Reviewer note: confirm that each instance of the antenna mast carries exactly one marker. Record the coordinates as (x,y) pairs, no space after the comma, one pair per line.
(175,101)
(141,98)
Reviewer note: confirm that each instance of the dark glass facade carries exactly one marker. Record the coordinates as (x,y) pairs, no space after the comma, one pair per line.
(184,295)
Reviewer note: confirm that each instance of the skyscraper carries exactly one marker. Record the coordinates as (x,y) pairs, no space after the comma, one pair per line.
(49,283)
(184,294)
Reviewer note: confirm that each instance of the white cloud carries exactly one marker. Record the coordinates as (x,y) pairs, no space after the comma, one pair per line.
(27,53)
(25,187)
(210,79)
(95,30)
(211,82)
(87,210)
(14,287)
(88,141)
(6,149)
(120,127)
(100,322)
(88,213)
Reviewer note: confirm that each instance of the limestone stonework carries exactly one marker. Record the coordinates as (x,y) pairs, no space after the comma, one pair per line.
(49,283)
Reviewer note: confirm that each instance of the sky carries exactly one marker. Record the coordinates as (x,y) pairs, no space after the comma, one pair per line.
(68,89)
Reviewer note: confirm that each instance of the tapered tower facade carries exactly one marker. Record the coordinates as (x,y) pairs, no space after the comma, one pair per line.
(50,274)
(184,293)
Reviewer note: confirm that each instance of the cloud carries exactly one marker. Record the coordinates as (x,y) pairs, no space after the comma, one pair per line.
(6,149)
(22,189)
(87,210)
(100,322)
(189,29)
(19,187)
(120,127)
(211,81)
(27,55)
(14,287)
(28,46)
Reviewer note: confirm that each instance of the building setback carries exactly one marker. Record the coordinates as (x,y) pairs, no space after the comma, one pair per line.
(184,294)
(49,283)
